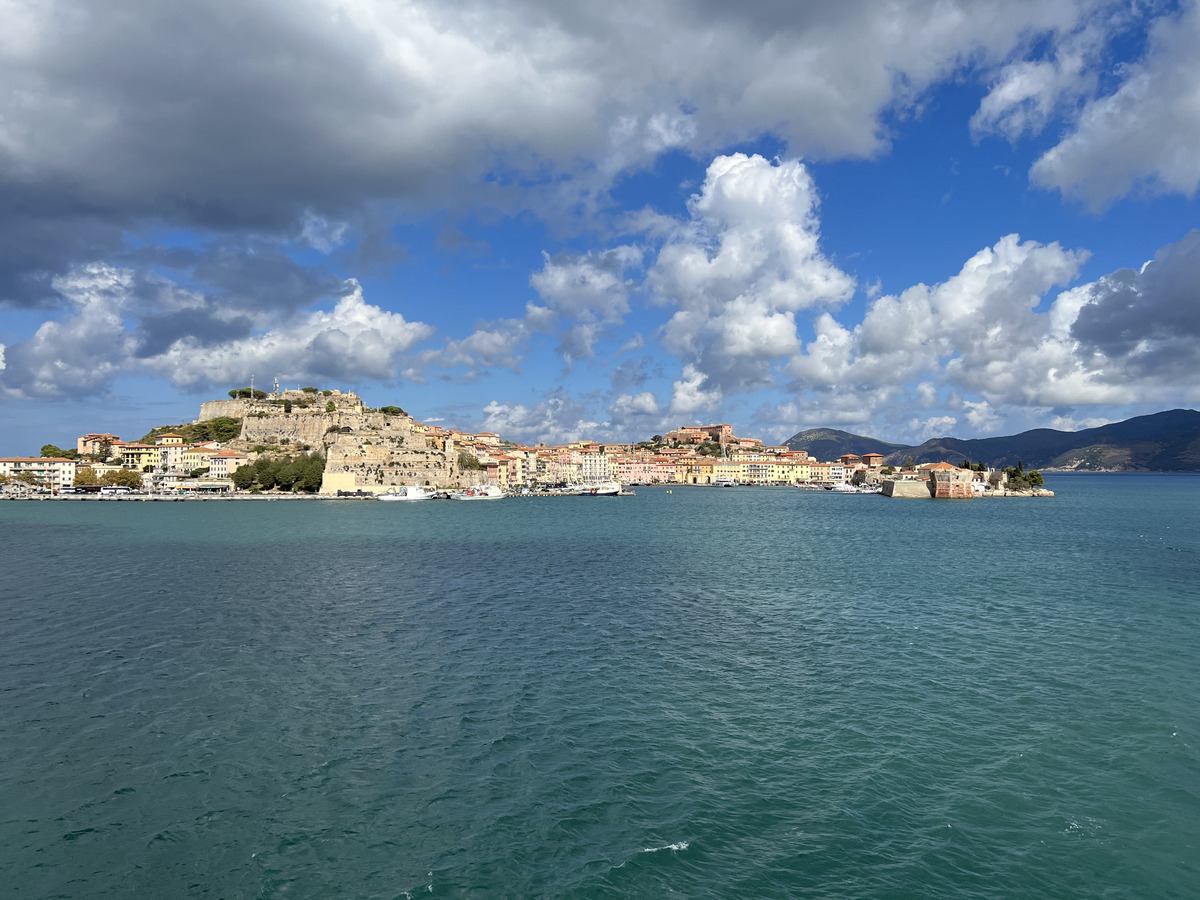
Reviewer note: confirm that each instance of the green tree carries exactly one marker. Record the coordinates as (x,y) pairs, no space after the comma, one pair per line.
(309,390)
(243,477)
(3,478)
(221,429)
(86,475)
(314,471)
(121,478)
(1034,477)
(26,478)
(265,470)
(392,411)
(51,451)
(467,462)
(287,406)
(287,473)
(330,407)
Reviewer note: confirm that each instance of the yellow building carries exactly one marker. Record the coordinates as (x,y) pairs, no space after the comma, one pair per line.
(139,456)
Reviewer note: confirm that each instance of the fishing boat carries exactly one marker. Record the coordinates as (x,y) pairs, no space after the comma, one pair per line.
(479,492)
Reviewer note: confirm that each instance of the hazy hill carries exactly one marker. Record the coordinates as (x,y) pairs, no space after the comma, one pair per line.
(829,443)
(1166,441)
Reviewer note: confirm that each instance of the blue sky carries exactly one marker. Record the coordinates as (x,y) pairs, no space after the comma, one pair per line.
(553,220)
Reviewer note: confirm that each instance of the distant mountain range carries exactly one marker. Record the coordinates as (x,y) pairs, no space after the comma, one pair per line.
(1163,442)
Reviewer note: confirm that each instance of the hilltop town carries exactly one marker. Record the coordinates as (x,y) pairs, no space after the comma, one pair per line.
(326,441)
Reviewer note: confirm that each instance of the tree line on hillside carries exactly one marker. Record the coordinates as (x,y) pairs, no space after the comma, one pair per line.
(221,429)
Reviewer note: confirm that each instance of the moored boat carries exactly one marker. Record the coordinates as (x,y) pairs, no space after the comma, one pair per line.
(479,492)
(600,489)
(406,492)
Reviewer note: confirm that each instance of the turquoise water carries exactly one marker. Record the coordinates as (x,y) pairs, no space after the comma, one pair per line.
(701,693)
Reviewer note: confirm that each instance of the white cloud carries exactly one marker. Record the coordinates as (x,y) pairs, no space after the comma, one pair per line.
(1145,134)
(558,418)
(582,292)
(498,343)
(738,270)
(935,426)
(688,394)
(1027,93)
(352,342)
(321,234)
(83,353)
(982,417)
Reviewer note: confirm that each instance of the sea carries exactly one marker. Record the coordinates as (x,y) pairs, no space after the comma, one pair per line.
(692,692)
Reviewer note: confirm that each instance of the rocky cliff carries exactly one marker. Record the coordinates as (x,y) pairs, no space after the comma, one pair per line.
(364,449)
(381,451)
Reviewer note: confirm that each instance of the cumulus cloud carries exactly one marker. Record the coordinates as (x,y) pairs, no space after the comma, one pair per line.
(82,354)
(497,343)
(688,395)
(584,290)
(935,426)
(1027,93)
(353,341)
(108,331)
(558,418)
(739,269)
(1145,133)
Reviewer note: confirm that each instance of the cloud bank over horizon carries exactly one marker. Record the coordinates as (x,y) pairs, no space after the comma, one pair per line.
(553,220)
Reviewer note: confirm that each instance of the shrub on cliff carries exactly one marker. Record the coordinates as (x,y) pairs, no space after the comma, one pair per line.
(467,462)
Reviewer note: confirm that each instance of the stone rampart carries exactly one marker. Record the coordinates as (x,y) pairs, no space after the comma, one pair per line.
(906,489)
(216,409)
(951,484)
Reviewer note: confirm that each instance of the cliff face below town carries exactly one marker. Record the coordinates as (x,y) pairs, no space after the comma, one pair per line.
(364,449)
(381,451)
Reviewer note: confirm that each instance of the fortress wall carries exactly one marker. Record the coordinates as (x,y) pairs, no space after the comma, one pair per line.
(215,409)
(906,489)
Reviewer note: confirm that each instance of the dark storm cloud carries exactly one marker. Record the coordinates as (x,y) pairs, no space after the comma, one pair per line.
(225,117)
(247,116)
(1159,304)
(157,332)
(255,276)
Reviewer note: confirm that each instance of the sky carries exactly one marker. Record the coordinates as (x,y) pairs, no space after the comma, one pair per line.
(564,220)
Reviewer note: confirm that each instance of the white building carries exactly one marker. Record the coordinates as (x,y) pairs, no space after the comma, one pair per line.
(50,472)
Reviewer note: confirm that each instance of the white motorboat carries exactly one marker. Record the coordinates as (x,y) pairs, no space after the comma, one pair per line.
(597,489)
(479,492)
(407,492)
